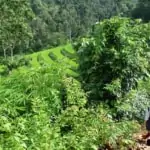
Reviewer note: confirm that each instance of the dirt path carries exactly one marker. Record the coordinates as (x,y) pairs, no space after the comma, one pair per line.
(141,144)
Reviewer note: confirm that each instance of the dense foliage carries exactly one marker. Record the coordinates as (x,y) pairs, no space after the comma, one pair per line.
(26,107)
(114,57)
(134,104)
(58,20)
(92,98)
(7,65)
(37,114)
(55,21)
(14,25)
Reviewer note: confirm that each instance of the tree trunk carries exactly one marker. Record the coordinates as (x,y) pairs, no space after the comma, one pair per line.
(12,54)
(4,53)
(12,51)
(70,35)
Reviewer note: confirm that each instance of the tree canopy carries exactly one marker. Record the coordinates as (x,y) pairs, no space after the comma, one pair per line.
(14,27)
(58,20)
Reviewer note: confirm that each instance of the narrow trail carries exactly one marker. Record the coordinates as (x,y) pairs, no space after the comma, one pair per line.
(141,143)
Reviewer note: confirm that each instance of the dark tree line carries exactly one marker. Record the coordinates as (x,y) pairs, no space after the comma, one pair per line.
(56,22)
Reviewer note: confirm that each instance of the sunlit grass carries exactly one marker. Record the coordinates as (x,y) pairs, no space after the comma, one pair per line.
(60,58)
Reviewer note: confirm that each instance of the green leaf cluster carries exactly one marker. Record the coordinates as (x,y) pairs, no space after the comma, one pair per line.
(114,57)
(42,109)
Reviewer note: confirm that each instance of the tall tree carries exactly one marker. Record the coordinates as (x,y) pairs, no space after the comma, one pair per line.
(14,25)
(55,22)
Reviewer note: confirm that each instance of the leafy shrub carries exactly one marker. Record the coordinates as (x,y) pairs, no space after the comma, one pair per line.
(89,128)
(28,99)
(93,129)
(135,103)
(17,62)
(74,94)
(3,70)
(32,114)
(23,61)
(113,58)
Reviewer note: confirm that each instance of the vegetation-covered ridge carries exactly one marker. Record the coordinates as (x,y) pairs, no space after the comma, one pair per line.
(42,24)
(43,108)
(90,94)
(56,55)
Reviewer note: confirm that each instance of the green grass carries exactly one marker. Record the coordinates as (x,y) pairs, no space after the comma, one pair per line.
(61,59)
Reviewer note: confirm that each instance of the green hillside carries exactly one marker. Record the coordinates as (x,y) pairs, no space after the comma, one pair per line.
(56,55)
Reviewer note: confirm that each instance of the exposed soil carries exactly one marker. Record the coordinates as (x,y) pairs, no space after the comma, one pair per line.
(141,143)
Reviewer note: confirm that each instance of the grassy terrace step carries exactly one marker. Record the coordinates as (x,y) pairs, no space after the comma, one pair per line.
(68,54)
(52,56)
(55,55)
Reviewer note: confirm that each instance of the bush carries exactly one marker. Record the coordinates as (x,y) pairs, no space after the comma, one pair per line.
(74,94)
(92,129)
(113,58)
(17,62)
(89,128)
(33,115)
(135,103)
(3,70)
(26,107)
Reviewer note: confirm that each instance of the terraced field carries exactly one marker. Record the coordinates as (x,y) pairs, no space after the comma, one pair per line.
(64,55)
